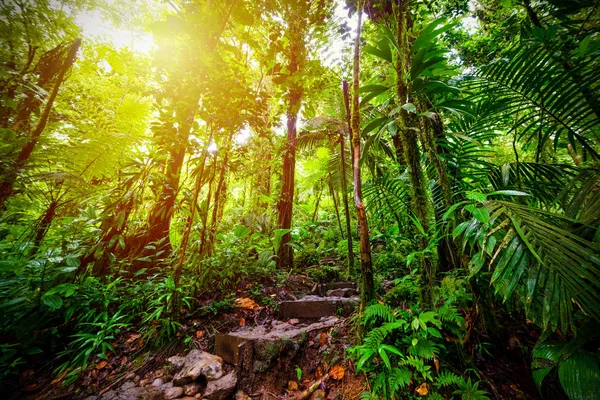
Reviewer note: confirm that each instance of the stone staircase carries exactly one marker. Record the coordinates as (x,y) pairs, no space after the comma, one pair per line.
(255,349)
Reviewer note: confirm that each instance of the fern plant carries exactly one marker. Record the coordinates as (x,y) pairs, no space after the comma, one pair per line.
(402,349)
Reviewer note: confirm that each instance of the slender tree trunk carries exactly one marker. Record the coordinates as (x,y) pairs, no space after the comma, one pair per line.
(335,204)
(344,178)
(8,180)
(205,215)
(159,220)
(315,214)
(219,195)
(406,125)
(43,226)
(367,292)
(190,221)
(285,254)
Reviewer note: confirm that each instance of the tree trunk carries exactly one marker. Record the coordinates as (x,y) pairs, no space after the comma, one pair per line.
(159,220)
(43,226)
(8,180)
(335,204)
(316,212)
(190,221)
(367,292)
(407,123)
(219,195)
(285,253)
(205,215)
(344,181)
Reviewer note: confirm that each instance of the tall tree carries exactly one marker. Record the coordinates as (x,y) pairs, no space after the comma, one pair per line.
(368,287)
(303,21)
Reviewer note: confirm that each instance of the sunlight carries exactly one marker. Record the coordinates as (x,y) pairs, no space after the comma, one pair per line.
(95,26)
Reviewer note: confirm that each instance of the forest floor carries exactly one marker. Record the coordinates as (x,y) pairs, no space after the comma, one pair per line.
(505,372)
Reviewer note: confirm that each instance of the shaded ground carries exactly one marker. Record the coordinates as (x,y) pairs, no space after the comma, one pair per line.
(507,370)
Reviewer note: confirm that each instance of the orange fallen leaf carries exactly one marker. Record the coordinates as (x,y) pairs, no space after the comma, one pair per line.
(242,322)
(61,376)
(31,388)
(101,365)
(246,304)
(322,338)
(133,337)
(124,360)
(437,365)
(337,372)
(319,372)
(422,390)
(199,333)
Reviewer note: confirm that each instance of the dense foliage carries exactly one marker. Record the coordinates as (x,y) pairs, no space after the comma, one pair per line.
(466,135)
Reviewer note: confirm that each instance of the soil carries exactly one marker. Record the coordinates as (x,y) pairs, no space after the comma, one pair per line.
(507,370)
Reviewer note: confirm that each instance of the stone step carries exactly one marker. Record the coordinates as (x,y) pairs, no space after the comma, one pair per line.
(341,285)
(318,307)
(324,288)
(342,292)
(256,349)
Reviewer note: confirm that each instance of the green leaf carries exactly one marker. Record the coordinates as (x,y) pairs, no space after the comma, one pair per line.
(53,301)
(385,358)
(580,376)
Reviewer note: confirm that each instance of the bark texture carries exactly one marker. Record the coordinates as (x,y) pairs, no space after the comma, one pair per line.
(367,292)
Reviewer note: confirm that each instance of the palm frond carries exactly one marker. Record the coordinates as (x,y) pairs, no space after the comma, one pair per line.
(539,96)
(534,257)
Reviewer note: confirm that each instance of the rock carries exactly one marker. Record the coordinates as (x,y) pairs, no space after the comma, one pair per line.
(137,379)
(127,385)
(294,321)
(341,285)
(191,388)
(343,292)
(242,396)
(134,393)
(173,392)
(157,382)
(317,307)
(166,386)
(292,386)
(220,389)
(196,364)
(255,349)
(144,382)
(318,395)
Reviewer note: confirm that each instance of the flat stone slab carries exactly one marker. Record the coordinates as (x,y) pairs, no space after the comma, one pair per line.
(341,285)
(256,348)
(323,289)
(317,307)
(342,292)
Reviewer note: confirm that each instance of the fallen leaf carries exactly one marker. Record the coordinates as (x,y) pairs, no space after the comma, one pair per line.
(31,388)
(26,373)
(246,304)
(319,372)
(337,372)
(199,333)
(242,322)
(437,365)
(101,365)
(422,390)
(124,360)
(292,386)
(133,337)
(322,338)
(61,376)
